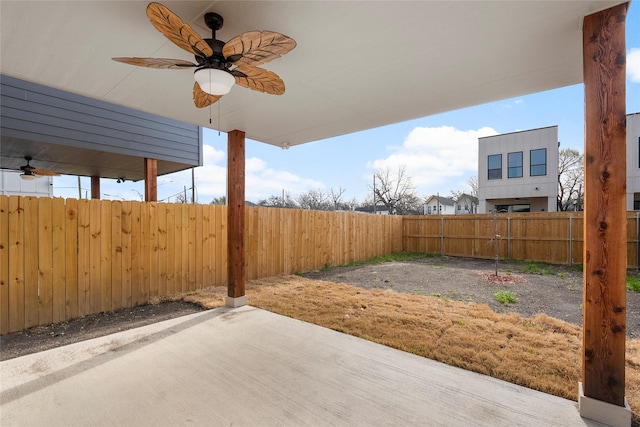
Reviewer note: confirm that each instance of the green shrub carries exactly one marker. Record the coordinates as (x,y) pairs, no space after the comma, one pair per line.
(505,297)
(534,268)
(633,283)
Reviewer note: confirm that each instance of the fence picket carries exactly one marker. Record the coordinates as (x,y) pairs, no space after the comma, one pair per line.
(61,259)
(45,261)
(16,264)
(4,266)
(31,266)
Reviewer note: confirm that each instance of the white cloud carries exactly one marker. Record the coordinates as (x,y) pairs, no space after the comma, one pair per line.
(633,65)
(437,159)
(262,181)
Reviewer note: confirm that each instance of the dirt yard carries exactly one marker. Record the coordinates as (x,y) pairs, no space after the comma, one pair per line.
(555,291)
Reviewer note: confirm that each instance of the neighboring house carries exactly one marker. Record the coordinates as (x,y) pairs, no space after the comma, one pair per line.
(633,161)
(439,205)
(518,172)
(11,184)
(466,204)
(379,210)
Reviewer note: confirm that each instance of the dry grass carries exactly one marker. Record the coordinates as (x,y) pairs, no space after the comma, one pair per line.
(541,353)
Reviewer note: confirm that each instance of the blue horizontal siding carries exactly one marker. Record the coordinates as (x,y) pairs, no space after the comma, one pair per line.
(39,113)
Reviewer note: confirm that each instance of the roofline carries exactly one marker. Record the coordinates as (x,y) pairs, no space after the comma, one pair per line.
(518,131)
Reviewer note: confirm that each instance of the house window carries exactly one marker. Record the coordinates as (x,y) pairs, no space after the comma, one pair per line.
(495,166)
(428,209)
(539,162)
(514,161)
(513,208)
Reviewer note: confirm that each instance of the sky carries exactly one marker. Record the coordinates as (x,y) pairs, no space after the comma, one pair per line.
(439,152)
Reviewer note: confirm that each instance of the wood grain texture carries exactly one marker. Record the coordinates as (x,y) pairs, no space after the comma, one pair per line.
(106,258)
(236,213)
(203,99)
(115,263)
(257,47)
(150,180)
(158,63)
(95,247)
(31,267)
(4,266)
(44,172)
(95,187)
(173,28)
(45,261)
(259,79)
(16,271)
(71,259)
(58,219)
(605,255)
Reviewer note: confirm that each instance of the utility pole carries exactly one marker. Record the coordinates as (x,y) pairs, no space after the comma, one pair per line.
(193,186)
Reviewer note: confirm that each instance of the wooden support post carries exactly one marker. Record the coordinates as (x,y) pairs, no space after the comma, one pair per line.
(150,180)
(235,218)
(95,187)
(605,251)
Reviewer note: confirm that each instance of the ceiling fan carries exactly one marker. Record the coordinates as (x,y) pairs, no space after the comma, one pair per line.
(29,173)
(218,65)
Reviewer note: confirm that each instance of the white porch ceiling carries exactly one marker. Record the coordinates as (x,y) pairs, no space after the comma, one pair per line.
(358,65)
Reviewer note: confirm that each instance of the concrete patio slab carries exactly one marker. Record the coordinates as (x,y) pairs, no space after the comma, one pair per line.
(250,367)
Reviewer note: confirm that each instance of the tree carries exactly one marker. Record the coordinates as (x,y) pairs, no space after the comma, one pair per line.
(467,204)
(335,197)
(276,201)
(314,200)
(570,180)
(473,184)
(395,192)
(222,200)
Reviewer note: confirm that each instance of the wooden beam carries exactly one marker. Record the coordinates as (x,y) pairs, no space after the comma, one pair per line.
(235,213)
(95,187)
(150,180)
(605,251)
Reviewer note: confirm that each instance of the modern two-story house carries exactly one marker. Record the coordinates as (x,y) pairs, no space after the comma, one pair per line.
(518,172)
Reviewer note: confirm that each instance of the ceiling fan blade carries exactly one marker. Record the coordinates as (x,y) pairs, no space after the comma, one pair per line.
(201,98)
(160,63)
(173,28)
(44,172)
(258,79)
(257,47)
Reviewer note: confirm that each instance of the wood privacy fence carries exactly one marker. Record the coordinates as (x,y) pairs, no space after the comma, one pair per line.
(60,259)
(550,237)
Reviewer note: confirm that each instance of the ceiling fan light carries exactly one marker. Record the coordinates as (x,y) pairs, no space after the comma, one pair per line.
(27,176)
(214,81)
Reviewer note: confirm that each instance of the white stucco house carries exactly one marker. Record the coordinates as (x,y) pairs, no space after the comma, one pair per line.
(11,184)
(437,205)
(518,172)
(466,204)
